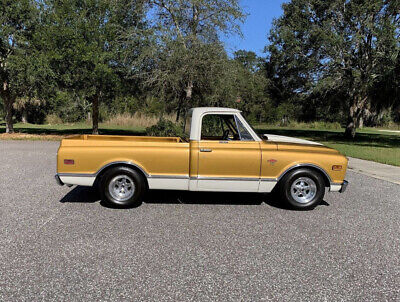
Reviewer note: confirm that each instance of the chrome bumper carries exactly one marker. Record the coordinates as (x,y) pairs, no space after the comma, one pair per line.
(344,186)
(58,180)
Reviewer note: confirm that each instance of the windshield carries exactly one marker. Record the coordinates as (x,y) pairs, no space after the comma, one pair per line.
(250,126)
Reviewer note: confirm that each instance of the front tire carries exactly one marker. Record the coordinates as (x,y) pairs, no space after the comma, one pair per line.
(303,189)
(122,187)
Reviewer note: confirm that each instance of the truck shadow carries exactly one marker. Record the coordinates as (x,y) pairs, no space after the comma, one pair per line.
(90,195)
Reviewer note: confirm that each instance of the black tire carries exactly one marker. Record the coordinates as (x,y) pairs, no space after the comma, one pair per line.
(310,195)
(133,180)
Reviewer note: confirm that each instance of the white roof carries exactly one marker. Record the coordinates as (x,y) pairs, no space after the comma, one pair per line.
(201,110)
(197,113)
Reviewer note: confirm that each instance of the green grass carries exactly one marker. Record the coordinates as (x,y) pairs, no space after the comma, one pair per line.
(76,128)
(369,144)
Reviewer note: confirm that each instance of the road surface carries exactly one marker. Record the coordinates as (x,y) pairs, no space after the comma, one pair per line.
(60,243)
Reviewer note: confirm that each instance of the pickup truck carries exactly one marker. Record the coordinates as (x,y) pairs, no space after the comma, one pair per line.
(222,153)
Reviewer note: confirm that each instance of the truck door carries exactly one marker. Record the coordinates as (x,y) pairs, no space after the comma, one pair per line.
(229,157)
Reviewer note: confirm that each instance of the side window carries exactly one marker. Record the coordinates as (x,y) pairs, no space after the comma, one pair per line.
(219,127)
(243,132)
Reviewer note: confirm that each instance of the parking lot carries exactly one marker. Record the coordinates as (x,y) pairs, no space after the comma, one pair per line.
(60,243)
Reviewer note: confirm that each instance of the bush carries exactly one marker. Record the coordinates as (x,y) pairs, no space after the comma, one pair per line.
(165,128)
(53,119)
(136,120)
(318,125)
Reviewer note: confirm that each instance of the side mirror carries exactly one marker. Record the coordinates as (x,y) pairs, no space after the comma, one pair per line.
(265,137)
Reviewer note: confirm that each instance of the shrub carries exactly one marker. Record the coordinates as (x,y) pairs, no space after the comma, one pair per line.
(165,128)
(53,119)
(136,120)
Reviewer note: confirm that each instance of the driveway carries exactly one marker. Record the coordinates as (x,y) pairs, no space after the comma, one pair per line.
(60,243)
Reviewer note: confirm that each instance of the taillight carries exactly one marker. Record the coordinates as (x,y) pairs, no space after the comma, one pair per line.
(69,162)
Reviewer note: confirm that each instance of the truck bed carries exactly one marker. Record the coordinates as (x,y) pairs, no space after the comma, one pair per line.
(94,139)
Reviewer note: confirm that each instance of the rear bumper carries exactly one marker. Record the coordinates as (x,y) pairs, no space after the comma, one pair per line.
(344,186)
(58,180)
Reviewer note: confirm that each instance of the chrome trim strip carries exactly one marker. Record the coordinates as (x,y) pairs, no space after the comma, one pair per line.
(269,179)
(169,176)
(95,174)
(198,177)
(226,178)
(234,178)
(76,175)
(305,165)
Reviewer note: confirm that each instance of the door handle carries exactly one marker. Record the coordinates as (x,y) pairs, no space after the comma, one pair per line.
(205,150)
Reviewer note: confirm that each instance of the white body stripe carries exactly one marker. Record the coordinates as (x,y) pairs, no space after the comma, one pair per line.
(267,186)
(194,184)
(186,184)
(231,185)
(168,184)
(78,180)
(228,185)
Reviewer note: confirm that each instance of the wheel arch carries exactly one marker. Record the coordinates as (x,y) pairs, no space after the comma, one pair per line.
(327,179)
(127,164)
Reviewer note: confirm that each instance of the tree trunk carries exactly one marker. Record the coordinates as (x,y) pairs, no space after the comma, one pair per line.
(189,91)
(351,126)
(183,104)
(355,114)
(24,116)
(8,107)
(361,122)
(178,112)
(95,114)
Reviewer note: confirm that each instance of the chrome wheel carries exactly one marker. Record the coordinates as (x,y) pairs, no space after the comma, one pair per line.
(121,187)
(303,190)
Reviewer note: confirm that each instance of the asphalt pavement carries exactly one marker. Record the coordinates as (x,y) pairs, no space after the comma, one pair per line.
(60,243)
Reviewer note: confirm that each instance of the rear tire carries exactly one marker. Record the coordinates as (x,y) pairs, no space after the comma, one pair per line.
(122,187)
(302,189)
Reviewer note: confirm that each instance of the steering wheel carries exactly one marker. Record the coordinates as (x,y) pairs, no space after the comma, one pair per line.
(225,136)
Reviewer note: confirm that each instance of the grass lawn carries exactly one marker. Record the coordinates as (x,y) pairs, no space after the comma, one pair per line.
(57,132)
(369,144)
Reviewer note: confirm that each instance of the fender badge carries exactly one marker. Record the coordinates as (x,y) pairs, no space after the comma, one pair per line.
(272,161)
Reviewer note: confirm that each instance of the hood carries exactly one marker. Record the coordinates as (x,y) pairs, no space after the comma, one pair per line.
(288,139)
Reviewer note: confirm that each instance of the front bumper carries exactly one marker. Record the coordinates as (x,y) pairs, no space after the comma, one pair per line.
(58,180)
(344,186)
(339,187)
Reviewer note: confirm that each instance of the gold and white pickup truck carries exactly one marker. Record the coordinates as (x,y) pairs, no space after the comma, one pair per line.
(222,153)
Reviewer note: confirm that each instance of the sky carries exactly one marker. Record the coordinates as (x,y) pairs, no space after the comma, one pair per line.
(256,27)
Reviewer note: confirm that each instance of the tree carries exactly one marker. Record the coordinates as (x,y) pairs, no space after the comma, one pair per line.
(188,45)
(342,47)
(91,44)
(17,26)
(248,59)
(252,86)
